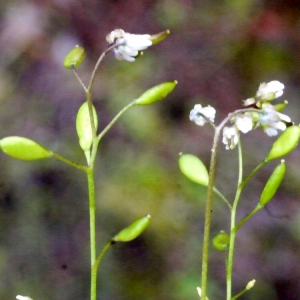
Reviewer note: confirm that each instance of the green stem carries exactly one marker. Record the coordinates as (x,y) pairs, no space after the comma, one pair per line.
(92,212)
(223,198)
(245,219)
(115,119)
(208,211)
(69,162)
(99,258)
(229,264)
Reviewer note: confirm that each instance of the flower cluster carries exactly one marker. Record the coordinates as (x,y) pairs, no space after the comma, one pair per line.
(128,46)
(258,113)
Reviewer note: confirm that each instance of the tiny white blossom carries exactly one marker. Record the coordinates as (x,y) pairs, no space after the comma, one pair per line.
(270,90)
(249,101)
(244,122)
(250,284)
(271,121)
(19,297)
(196,114)
(230,137)
(129,45)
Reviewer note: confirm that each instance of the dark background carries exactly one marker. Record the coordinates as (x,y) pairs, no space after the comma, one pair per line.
(219,52)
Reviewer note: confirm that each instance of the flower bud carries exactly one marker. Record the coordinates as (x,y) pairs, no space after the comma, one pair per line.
(23,148)
(221,241)
(193,168)
(133,230)
(250,284)
(74,58)
(285,143)
(156,93)
(272,184)
(84,127)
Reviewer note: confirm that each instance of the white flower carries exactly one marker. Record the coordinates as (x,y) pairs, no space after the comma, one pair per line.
(244,122)
(230,137)
(196,114)
(129,45)
(23,298)
(271,120)
(270,90)
(249,101)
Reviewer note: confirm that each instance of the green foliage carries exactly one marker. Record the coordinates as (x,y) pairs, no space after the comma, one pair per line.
(272,184)
(221,241)
(193,168)
(83,126)
(156,93)
(23,148)
(285,143)
(133,230)
(74,58)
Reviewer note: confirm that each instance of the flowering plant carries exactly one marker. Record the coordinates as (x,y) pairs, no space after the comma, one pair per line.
(126,47)
(259,112)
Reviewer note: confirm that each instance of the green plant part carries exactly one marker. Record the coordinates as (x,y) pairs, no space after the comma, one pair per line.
(221,241)
(285,143)
(159,37)
(272,184)
(23,148)
(84,127)
(74,58)
(193,168)
(156,93)
(133,230)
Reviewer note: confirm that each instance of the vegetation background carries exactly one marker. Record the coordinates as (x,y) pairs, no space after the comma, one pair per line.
(219,51)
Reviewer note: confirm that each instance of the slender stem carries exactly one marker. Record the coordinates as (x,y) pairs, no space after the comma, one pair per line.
(208,211)
(69,162)
(223,198)
(100,256)
(92,213)
(79,79)
(245,219)
(98,63)
(252,173)
(115,119)
(229,264)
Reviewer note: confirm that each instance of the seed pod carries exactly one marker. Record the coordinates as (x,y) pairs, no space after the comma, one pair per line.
(23,148)
(281,106)
(84,127)
(133,230)
(221,241)
(156,93)
(272,184)
(285,143)
(159,37)
(74,58)
(193,168)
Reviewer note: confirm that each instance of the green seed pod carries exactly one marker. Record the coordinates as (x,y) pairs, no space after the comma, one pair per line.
(281,106)
(159,37)
(285,143)
(193,168)
(133,230)
(221,241)
(272,184)
(84,127)
(74,58)
(23,148)
(156,93)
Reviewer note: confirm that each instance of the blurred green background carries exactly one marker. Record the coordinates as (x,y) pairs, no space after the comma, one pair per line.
(219,52)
